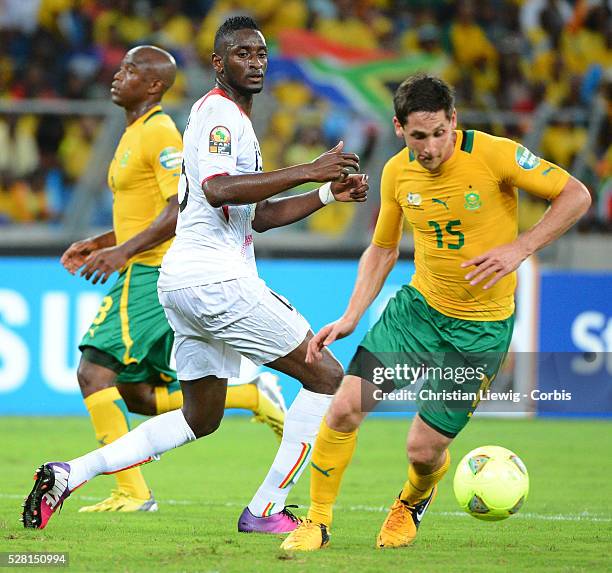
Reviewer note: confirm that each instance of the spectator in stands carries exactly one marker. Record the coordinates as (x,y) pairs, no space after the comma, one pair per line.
(509,54)
(28,199)
(76,146)
(347,28)
(469,42)
(172,28)
(18,147)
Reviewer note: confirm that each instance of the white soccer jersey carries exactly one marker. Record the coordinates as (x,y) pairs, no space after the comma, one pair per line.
(212,244)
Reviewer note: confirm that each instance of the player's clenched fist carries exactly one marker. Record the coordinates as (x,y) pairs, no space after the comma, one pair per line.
(333,165)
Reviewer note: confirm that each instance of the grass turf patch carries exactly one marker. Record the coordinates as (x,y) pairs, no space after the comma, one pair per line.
(565,525)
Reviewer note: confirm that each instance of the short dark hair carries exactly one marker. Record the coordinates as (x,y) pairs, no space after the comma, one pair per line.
(423,92)
(232,25)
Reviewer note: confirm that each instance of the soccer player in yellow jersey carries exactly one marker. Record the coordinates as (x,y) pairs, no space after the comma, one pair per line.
(458,190)
(126,351)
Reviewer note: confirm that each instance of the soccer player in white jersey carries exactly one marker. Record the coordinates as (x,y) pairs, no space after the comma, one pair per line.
(216,304)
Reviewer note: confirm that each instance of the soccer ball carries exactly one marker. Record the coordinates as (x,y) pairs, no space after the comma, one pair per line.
(491,483)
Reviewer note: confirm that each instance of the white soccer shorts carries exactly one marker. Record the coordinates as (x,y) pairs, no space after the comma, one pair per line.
(217,323)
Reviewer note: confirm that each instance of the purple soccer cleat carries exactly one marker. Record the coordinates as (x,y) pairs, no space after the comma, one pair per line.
(283,522)
(48,494)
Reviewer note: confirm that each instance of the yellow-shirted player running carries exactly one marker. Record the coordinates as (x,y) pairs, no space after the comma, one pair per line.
(458,190)
(125,362)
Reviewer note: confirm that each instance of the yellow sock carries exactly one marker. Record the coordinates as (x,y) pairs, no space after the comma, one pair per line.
(418,486)
(109,416)
(244,396)
(331,455)
(168,397)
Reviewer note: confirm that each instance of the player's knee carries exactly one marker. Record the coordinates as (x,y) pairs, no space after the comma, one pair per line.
(207,428)
(203,426)
(87,379)
(344,416)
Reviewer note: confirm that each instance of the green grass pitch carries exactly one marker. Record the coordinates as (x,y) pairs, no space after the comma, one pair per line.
(566,524)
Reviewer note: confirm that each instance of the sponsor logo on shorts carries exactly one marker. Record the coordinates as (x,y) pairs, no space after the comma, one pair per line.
(220,141)
(170,158)
(526,159)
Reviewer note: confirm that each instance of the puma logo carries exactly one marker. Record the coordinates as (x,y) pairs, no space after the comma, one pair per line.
(324,472)
(440,202)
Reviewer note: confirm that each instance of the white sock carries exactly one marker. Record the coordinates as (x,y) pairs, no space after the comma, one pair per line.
(302,423)
(151,438)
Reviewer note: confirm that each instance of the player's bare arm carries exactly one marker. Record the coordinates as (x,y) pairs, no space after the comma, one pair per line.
(74,256)
(374,266)
(272,213)
(253,188)
(101,264)
(573,201)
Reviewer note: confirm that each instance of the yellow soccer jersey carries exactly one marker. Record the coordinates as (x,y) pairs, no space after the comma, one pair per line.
(143,175)
(459,212)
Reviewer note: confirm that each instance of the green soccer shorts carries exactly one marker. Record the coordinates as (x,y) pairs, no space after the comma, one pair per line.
(454,359)
(130,333)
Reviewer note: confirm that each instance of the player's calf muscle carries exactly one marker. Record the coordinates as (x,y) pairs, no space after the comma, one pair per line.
(330,378)
(426,447)
(323,377)
(139,398)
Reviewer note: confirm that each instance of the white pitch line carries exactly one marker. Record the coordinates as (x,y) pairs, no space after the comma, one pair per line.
(584,516)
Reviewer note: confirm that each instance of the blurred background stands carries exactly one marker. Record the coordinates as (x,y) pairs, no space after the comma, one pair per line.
(539,71)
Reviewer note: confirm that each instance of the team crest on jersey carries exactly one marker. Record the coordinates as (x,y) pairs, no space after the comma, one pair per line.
(472,200)
(526,159)
(220,141)
(125,158)
(414,200)
(170,158)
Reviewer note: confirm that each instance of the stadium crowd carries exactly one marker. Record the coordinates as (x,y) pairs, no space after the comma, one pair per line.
(514,55)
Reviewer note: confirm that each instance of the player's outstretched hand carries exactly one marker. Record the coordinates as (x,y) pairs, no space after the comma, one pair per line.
(353,188)
(333,165)
(103,263)
(498,262)
(328,334)
(74,256)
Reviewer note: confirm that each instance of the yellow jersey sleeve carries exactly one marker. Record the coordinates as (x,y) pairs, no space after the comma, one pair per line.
(163,150)
(517,166)
(388,231)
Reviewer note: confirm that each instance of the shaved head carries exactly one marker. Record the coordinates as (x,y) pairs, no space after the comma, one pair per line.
(156,63)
